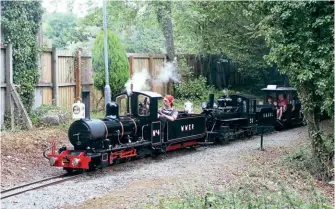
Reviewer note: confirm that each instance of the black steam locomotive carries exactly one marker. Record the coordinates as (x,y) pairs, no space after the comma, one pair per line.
(131,129)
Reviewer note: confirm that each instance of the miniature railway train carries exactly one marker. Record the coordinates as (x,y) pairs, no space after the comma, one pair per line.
(130,129)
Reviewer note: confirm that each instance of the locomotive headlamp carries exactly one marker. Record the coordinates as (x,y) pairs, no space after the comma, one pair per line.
(52,160)
(75,161)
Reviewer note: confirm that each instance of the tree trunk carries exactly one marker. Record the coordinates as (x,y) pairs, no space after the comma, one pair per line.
(312,112)
(164,19)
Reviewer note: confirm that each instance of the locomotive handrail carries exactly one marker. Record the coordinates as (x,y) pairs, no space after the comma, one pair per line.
(47,149)
(142,130)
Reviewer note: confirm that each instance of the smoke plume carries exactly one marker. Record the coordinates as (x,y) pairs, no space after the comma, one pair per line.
(140,81)
(169,71)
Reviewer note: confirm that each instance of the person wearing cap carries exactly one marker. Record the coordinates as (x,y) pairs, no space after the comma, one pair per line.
(167,111)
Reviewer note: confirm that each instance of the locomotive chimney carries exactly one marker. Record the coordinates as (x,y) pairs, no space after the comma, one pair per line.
(211,101)
(85,94)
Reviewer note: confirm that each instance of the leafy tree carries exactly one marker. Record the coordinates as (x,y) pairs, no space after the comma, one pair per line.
(20,23)
(164,17)
(186,24)
(301,37)
(63,29)
(117,60)
(134,22)
(229,28)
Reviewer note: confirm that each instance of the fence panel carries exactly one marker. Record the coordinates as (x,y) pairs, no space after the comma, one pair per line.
(43,90)
(66,78)
(158,87)
(3,84)
(152,63)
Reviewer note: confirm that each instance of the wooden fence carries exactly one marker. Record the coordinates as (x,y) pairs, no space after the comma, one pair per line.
(3,83)
(70,78)
(62,78)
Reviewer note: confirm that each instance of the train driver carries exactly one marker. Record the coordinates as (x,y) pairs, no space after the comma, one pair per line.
(167,111)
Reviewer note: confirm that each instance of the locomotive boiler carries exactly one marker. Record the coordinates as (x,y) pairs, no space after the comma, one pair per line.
(101,134)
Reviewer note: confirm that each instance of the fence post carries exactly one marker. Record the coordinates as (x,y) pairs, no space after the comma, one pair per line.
(9,81)
(78,73)
(151,69)
(131,65)
(54,68)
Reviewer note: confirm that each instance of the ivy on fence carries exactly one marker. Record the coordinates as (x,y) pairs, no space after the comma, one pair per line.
(20,22)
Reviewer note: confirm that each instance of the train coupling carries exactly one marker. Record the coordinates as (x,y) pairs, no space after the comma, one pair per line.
(68,158)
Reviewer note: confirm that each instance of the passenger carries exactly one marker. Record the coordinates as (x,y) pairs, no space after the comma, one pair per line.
(294,102)
(167,111)
(270,100)
(282,106)
(147,103)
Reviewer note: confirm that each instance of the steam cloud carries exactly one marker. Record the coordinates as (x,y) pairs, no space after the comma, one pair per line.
(141,80)
(169,71)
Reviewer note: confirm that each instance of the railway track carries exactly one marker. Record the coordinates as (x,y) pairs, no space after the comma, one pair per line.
(37,185)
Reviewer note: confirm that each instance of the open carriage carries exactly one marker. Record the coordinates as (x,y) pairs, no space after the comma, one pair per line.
(291,114)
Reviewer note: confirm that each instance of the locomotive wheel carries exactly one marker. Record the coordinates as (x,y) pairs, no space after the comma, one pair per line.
(222,139)
(248,133)
(209,120)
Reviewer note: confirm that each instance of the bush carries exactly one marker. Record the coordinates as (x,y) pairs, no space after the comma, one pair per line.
(118,65)
(303,159)
(38,113)
(194,89)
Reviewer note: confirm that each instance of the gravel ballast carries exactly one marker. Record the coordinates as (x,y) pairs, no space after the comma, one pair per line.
(135,183)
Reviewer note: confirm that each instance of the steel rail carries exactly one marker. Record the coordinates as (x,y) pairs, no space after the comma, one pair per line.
(65,178)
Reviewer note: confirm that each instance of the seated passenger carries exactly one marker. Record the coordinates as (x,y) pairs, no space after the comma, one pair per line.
(282,106)
(167,112)
(294,102)
(270,100)
(147,103)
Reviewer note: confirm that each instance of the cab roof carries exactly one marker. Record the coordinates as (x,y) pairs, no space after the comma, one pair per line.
(278,88)
(149,94)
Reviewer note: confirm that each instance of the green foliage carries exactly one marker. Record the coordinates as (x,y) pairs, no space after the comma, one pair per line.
(194,89)
(300,35)
(187,30)
(303,159)
(118,65)
(98,114)
(134,22)
(20,22)
(245,197)
(63,29)
(230,28)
